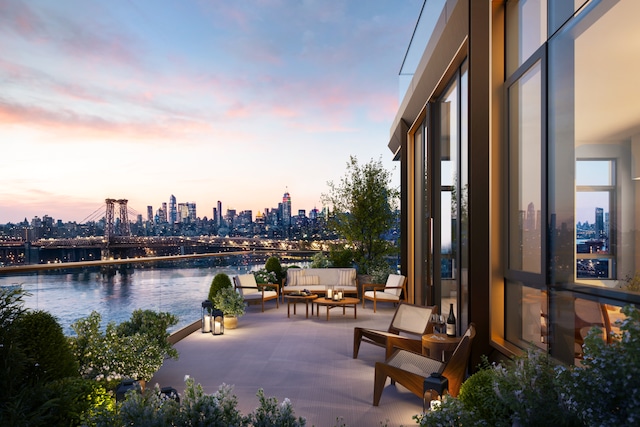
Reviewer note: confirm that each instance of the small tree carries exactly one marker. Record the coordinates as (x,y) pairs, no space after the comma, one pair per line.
(220,281)
(273,265)
(364,210)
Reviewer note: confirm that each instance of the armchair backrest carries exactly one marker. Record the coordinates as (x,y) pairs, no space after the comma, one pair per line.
(456,367)
(246,284)
(412,319)
(395,284)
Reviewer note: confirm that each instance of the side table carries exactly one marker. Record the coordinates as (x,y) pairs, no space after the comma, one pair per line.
(439,346)
(295,299)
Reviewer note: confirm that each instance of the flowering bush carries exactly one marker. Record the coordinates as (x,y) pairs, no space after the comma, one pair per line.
(197,408)
(112,356)
(263,276)
(605,391)
(533,390)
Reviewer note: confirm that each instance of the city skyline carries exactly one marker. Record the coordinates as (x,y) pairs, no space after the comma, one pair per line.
(238,102)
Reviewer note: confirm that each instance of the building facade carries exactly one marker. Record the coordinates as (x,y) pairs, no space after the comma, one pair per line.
(518,135)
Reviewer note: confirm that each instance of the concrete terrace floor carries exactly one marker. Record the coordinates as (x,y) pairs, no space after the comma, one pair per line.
(308,361)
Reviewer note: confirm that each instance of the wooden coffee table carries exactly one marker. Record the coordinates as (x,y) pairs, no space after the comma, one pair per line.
(295,299)
(344,303)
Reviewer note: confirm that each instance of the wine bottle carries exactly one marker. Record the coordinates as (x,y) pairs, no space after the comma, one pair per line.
(451,322)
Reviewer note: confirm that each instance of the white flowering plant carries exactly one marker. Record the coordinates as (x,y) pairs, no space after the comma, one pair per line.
(264,277)
(118,353)
(533,390)
(195,407)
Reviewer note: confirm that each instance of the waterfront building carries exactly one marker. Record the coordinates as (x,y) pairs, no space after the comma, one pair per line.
(517,120)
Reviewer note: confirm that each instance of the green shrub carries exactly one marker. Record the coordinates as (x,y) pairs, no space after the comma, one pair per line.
(604,390)
(478,392)
(197,408)
(320,260)
(76,400)
(273,265)
(271,414)
(532,390)
(220,281)
(49,356)
(111,356)
(152,324)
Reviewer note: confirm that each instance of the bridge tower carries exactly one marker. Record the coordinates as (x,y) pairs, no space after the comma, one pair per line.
(108,226)
(125,228)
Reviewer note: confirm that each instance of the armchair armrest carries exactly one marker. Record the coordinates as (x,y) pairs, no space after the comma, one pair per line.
(402,342)
(262,286)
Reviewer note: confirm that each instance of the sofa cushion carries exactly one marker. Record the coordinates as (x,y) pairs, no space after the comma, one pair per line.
(386,296)
(394,281)
(248,284)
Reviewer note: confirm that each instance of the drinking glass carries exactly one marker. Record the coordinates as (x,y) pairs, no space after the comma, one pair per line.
(442,323)
(435,320)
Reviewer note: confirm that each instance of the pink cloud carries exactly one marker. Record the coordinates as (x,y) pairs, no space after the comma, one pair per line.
(20,18)
(74,125)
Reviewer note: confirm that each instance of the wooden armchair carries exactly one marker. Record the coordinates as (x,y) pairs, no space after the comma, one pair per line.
(410,369)
(392,291)
(252,292)
(409,319)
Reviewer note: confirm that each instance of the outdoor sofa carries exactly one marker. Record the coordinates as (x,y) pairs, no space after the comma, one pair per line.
(317,280)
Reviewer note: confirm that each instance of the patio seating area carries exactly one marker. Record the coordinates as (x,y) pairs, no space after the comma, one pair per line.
(309,361)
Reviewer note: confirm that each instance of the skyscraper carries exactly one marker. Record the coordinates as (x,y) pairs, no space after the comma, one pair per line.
(599,223)
(286,210)
(173,211)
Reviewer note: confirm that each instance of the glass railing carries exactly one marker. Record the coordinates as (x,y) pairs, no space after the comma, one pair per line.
(177,285)
(429,15)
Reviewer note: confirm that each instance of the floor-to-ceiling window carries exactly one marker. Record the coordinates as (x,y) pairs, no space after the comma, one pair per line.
(450,195)
(574,151)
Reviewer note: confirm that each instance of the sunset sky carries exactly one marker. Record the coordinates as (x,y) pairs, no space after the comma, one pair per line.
(237,101)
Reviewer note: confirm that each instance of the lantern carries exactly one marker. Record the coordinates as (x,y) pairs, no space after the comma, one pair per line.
(126,385)
(329,292)
(170,393)
(206,316)
(435,387)
(217,322)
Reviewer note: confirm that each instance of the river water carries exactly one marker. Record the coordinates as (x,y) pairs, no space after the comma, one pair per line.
(70,295)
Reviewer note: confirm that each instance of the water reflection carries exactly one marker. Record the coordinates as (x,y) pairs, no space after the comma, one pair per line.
(116,292)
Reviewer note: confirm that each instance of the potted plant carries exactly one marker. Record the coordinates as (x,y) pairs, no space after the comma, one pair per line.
(232,305)
(219,281)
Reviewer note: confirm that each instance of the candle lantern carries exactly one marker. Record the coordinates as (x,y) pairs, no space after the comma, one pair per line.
(126,385)
(340,293)
(435,387)
(329,294)
(207,306)
(217,322)
(170,393)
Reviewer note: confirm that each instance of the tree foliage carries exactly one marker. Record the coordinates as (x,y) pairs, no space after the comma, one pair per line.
(364,210)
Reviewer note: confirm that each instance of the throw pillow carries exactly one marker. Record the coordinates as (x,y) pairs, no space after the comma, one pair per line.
(294,276)
(345,277)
